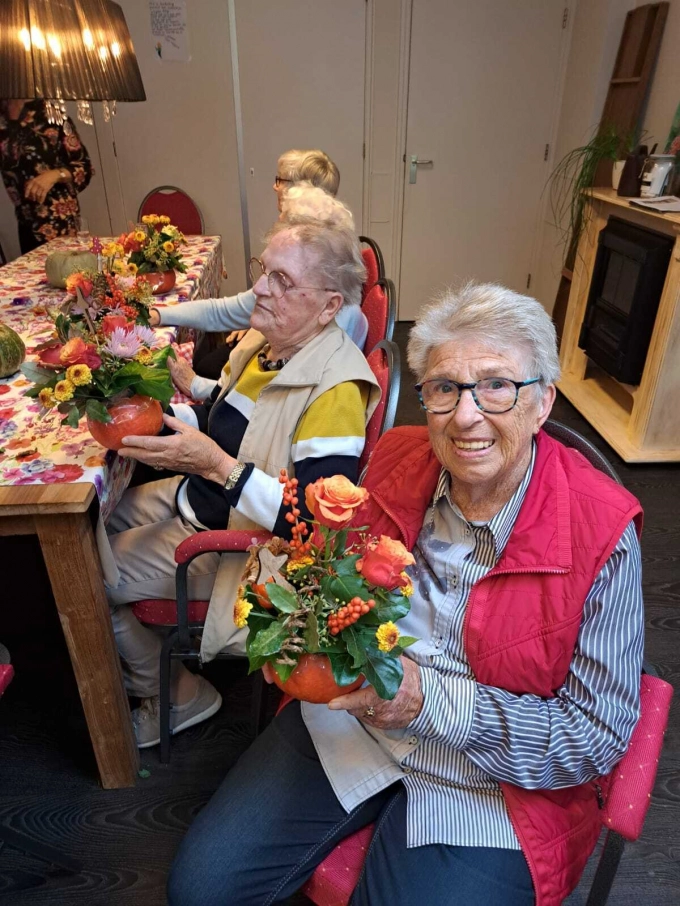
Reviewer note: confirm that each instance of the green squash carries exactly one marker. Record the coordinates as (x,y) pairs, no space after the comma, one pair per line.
(60,265)
(12,351)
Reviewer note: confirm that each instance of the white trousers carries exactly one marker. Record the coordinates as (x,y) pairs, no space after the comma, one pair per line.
(143,533)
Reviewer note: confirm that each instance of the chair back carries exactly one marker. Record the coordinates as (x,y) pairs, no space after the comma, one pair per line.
(379,307)
(632,780)
(175,204)
(571,438)
(375,265)
(385,363)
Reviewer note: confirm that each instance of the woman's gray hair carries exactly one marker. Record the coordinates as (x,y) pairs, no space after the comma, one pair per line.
(338,255)
(494,314)
(305,200)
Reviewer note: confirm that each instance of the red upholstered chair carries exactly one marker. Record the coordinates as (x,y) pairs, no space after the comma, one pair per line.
(380,308)
(623,815)
(176,205)
(375,265)
(189,616)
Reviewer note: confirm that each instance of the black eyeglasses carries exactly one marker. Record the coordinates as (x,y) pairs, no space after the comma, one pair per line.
(279,181)
(494,395)
(278,283)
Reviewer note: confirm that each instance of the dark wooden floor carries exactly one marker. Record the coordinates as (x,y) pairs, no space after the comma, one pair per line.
(126,839)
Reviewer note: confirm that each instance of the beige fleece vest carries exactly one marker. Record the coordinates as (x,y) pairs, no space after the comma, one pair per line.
(329,359)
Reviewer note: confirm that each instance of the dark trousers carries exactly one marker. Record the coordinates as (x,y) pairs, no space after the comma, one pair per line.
(27,238)
(275,818)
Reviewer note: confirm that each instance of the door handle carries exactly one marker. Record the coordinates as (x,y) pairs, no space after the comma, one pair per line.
(415,163)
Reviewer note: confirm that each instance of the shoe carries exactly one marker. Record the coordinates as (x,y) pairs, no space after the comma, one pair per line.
(146,719)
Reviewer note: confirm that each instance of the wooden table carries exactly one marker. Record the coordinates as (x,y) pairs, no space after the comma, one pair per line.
(61,516)
(54,483)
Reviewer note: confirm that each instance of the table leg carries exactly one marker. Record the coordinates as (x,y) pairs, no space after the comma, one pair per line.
(72,561)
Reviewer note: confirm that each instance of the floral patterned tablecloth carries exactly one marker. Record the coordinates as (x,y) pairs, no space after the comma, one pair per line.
(36,450)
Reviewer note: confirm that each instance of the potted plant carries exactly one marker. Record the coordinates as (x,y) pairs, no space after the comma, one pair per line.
(102,363)
(322,611)
(153,250)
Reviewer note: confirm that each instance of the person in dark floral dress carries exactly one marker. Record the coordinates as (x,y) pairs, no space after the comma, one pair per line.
(43,167)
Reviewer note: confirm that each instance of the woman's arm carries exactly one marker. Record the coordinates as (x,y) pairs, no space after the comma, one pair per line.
(584,730)
(210,315)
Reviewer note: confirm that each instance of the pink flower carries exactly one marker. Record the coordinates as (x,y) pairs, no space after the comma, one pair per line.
(123,344)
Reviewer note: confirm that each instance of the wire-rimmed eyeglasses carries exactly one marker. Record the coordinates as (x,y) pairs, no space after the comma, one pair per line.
(279,284)
(494,395)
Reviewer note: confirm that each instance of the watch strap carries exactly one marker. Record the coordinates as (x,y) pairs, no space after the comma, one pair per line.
(234,476)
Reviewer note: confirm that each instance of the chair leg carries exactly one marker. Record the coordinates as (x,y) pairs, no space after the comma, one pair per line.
(166,659)
(606,869)
(36,848)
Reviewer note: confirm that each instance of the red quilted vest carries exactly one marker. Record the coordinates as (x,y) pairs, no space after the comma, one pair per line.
(523,617)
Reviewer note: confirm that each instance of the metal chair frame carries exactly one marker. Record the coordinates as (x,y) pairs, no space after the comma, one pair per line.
(375,248)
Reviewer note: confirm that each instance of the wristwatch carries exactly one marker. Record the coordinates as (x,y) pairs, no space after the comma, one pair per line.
(234,476)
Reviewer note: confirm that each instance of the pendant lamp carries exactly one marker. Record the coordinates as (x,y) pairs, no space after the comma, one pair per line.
(67,50)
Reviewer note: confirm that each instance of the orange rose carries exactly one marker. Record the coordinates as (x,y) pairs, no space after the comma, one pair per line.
(383,562)
(78,352)
(78,281)
(111,321)
(334,501)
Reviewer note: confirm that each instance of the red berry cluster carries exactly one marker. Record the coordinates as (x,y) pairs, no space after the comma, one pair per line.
(290,498)
(350,613)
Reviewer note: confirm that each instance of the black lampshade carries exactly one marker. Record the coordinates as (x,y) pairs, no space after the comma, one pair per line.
(67,50)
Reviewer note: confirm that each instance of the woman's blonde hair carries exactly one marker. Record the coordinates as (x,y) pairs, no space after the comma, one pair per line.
(314,166)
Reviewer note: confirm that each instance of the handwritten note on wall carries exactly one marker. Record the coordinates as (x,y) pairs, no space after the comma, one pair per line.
(169,29)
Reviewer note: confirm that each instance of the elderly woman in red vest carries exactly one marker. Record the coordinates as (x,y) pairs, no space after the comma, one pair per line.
(485,774)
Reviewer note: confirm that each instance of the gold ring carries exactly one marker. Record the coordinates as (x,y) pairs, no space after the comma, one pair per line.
(369,712)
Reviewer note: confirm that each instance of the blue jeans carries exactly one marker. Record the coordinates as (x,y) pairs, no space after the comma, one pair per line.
(275,818)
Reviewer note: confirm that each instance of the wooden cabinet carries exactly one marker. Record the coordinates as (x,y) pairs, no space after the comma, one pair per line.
(642,423)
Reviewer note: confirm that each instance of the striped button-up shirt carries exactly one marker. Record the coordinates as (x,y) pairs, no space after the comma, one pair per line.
(468,736)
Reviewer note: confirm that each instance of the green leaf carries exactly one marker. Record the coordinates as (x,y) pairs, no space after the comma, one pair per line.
(283,670)
(38,375)
(347,567)
(269,640)
(72,418)
(282,599)
(355,647)
(343,671)
(97,411)
(344,588)
(386,612)
(406,640)
(311,633)
(384,673)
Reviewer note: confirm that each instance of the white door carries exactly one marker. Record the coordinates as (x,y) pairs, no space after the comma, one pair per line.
(483,88)
(301,66)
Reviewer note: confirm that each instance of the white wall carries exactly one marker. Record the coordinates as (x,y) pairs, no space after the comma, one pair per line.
(665,94)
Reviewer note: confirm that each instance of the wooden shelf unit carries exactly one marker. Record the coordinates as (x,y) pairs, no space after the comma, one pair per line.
(641,423)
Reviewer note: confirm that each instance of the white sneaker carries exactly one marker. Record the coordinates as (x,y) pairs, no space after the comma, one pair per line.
(146,719)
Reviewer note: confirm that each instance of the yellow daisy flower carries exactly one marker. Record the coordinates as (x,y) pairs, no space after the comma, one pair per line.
(169,247)
(241,610)
(139,236)
(387,635)
(407,590)
(132,268)
(299,563)
(150,218)
(118,267)
(47,399)
(164,218)
(79,375)
(144,356)
(63,390)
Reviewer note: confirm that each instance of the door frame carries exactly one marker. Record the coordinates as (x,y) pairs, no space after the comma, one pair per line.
(401,125)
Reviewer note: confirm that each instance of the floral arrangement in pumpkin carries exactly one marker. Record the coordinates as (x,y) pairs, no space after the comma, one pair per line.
(102,352)
(152,246)
(329,594)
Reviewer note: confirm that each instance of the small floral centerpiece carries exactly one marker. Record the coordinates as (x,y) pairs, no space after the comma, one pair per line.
(322,610)
(154,246)
(103,361)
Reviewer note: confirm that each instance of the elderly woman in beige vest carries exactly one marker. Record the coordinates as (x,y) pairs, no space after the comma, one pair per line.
(296,394)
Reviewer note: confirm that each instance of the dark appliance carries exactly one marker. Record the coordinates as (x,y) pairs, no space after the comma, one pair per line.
(628,278)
